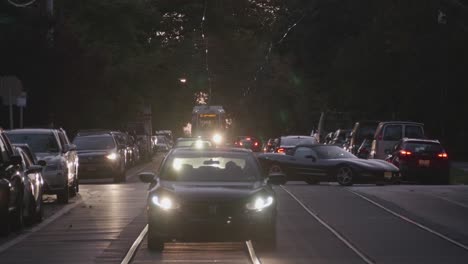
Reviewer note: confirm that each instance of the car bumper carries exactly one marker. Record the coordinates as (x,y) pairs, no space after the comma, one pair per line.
(173,225)
(411,173)
(106,170)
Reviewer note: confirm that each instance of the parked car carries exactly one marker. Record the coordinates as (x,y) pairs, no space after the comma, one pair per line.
(287,143)
(362,130)
(193,142)
(421,160)
(248,142)
(13,174)
(364,150)
(33,184)
(269,146)
(100,156)
(341,138)
(134,150)
(315,163)
(52,146)
(162,144)
(123,142)
(388,134)
(211,195)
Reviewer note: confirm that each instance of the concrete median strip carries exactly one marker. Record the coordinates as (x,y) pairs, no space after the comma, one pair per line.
(444,237)
(363,256)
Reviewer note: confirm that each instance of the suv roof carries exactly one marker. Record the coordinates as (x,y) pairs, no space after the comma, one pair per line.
(32,130)
(420,140)
(402,123)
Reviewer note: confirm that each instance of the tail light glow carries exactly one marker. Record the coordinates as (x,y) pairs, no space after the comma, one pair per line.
(281,150)
(442,155)
(405,153)
(256,144)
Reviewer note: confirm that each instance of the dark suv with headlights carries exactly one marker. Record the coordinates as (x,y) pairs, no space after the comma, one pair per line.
(100,156)
(211,195)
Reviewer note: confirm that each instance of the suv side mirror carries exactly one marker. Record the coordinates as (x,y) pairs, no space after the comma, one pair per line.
(314,159)
(147,177)
(34,169)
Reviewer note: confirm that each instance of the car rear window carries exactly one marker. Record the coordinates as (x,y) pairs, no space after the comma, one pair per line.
(423,147)
(297,141)
(393,132)
(414,132)
(39,143)
(211,167)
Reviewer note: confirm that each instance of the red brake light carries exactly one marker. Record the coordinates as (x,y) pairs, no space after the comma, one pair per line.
(256,144)
(240,143)
(281,150)
(442,155)
(405,153)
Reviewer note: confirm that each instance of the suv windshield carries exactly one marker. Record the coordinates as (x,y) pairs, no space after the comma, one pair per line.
(94,143)
(39,143)
(216,167)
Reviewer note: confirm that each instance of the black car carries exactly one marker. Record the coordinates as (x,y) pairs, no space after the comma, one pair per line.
(421,160)
(100,156)
(287,143)
(211,195)
(12,181)
(315,163)
(248,142)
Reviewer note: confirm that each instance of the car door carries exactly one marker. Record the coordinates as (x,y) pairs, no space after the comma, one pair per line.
(304,163)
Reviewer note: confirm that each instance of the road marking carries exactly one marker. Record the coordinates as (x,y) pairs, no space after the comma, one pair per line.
(252,254)
(40,226)
(411,221)
(131,252)
(331,229)
(450,200)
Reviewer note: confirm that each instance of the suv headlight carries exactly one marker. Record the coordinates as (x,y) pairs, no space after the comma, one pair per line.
(112,156)
(164,202)
(260,203)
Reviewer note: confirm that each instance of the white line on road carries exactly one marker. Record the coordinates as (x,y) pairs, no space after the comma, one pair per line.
(450,200)
(131,252)
(411,221)
(331,229)
(252,254)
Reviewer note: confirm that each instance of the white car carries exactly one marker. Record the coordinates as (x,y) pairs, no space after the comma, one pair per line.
(53,147)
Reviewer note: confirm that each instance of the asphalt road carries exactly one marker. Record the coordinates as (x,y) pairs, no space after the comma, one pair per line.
(316,224)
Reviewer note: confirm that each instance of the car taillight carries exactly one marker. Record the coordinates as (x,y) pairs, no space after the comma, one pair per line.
(256,144)
(405,153)
(442,155)
(240,143)
(248,139)
(281,150)
(236,143)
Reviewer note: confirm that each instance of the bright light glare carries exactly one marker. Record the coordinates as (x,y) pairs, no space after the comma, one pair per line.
(165,203)
(112,156)
(177,164)
(260,203)
(183,80)
(199,144)
(217,139)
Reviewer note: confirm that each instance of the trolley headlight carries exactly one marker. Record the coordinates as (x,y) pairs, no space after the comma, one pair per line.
(164,202)
(260,203)
(217,138)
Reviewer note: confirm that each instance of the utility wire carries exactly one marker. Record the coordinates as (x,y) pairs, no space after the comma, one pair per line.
(205,41)
(21,5)
(268,53)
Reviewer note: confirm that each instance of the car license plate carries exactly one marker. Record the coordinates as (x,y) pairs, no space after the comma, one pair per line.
(388,175)
(424,163)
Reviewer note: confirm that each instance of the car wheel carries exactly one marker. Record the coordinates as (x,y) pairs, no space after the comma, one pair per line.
(75,188)
(311,181)
(18,215)
(155,242)
(31,212)
(39,215)
(5,226)
(344,176)
(64,196)
(275,168)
